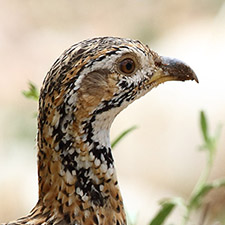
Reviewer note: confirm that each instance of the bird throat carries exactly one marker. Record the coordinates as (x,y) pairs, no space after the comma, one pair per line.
(77,178)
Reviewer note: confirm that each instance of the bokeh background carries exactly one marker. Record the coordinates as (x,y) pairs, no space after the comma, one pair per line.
(159,159)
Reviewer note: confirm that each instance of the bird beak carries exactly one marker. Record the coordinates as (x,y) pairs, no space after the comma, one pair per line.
(172,69)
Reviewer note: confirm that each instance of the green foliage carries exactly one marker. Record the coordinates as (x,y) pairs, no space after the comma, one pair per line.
(122,135)
(166,209)
(32,92)
(202,187)
(204,126)
(209,142)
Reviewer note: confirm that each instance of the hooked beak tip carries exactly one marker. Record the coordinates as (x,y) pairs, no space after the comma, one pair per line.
(177,69)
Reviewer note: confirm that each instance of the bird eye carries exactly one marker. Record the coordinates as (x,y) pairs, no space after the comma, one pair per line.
(127,66)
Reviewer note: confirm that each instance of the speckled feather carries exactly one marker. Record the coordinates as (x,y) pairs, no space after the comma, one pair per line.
(80,97)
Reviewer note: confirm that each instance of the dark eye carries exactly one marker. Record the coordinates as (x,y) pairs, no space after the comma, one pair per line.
(127,66)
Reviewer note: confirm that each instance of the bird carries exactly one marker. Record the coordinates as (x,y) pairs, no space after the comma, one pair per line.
(86,87)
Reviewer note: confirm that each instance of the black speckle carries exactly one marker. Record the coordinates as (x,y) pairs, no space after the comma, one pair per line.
(123,84)
(59,200)
(43,154)
(111,52)
(88,129)
(68,160)
(81,207)
(117,197)
(97,198)
(99,151)
(80,51)
(65,192)
(61,209)
(100,58)
(67,218)
(95,219)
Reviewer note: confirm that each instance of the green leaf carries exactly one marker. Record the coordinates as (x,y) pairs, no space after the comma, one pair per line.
(204,126)
(122,135)
(196,199)
(166,209)
(32,93)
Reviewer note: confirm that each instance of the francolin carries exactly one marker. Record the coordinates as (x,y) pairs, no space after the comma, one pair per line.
(87,86)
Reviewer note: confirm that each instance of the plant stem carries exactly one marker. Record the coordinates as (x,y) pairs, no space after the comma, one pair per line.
(199,186)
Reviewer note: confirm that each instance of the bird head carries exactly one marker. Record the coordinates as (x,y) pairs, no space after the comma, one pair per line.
(104,75)
(122,71)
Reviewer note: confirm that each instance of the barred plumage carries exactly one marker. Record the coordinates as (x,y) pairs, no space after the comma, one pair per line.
(85,89)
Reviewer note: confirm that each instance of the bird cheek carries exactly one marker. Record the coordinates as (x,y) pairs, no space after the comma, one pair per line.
(111,88)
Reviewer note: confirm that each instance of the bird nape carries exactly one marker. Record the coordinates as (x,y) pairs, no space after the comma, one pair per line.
(87,86)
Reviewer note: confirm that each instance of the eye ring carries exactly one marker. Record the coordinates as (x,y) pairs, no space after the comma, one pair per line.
(127,66)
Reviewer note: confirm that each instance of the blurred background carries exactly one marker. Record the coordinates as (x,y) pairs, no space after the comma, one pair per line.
(159,159)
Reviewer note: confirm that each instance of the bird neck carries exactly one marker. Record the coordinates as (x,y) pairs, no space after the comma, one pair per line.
(77,178)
